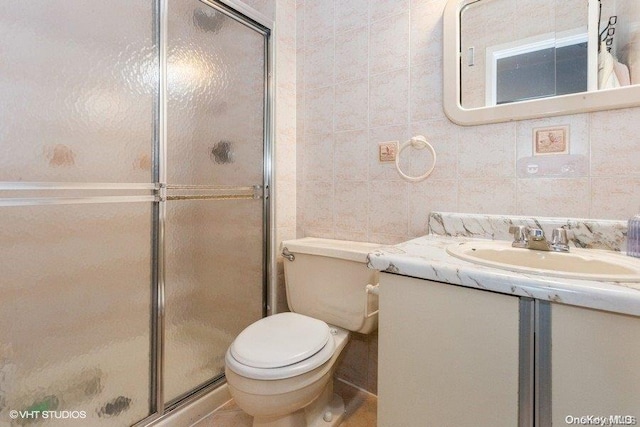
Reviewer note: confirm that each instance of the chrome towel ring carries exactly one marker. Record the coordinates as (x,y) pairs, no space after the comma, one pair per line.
(418,142)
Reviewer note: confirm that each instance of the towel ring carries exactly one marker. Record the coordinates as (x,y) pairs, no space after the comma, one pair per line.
(418,142)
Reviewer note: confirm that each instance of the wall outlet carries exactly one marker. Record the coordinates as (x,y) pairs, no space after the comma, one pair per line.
(388,151)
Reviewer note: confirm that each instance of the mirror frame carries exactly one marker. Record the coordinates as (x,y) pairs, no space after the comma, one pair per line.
(583,102)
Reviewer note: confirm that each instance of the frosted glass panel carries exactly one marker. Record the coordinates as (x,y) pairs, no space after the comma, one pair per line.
(77,86)
(74,324)
(216,98)
(213,285)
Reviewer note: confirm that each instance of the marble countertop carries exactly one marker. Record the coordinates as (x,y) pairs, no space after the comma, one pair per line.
(426,258)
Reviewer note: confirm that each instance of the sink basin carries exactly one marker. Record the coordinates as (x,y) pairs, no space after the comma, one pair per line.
(585,264)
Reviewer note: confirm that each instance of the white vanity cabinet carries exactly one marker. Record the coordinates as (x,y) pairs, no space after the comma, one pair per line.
(448,355)
(453,356)
(595,364)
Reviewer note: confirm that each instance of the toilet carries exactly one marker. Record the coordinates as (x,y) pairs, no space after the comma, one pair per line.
(280,369)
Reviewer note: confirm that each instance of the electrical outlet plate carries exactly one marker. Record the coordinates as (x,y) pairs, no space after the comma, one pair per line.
(388,151)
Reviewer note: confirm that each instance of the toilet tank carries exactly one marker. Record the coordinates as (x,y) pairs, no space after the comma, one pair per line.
(327,280)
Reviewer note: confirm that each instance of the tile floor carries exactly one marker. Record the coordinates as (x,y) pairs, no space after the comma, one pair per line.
(360,406)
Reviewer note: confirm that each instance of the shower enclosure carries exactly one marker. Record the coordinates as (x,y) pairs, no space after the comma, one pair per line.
(134,209)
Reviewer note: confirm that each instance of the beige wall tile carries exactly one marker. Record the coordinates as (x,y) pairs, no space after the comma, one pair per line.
(426,92)
(487,196)
(388,98)
(352,54)
(318,205)
(351,14)
(554,197)
(389,44)
(318,112)
(318,159)
(487,151)
(615,142)
(318,23)
(615,198)
(388,207)
(351,200)
(426,31)
(352,105)
(428,196)
(319,63)
(382,9)
(350,156)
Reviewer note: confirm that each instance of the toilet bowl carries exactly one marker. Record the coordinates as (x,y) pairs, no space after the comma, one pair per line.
(280,369)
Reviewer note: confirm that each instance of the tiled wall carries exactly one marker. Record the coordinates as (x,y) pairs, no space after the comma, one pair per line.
(371,71)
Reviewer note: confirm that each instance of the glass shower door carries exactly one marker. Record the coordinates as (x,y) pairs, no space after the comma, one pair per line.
(214,177)
(77,92)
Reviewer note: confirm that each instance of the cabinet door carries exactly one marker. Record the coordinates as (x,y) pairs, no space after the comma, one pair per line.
(595,358)
(448,355)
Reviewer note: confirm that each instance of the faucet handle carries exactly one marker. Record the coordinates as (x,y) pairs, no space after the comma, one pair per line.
(536,234)
(559,240)
(519,236)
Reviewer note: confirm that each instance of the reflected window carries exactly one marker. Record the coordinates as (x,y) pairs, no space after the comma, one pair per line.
(537,69)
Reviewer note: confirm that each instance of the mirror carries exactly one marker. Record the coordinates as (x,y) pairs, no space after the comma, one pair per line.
(510,60)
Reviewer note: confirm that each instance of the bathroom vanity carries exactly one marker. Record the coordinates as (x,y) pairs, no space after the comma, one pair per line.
(463,344)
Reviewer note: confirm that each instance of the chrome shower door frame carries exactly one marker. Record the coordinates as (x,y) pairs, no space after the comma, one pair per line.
(259,23)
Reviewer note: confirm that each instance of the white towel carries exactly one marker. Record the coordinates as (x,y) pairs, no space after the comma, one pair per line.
(606,75)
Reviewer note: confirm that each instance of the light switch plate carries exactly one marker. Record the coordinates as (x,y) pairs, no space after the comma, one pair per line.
(388,151)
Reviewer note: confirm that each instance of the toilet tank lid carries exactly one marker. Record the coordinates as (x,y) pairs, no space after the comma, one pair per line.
(343,249)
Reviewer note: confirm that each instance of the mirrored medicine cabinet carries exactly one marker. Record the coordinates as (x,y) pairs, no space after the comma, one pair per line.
(518,59)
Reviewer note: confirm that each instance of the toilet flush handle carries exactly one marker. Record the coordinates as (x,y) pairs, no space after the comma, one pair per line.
(288,255)
(370,290)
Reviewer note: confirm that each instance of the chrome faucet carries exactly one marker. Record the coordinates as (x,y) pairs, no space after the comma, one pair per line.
(533,238)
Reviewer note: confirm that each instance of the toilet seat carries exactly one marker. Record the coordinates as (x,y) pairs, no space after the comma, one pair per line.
(281,346)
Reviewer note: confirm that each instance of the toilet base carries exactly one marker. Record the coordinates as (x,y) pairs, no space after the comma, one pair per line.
(326,411)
